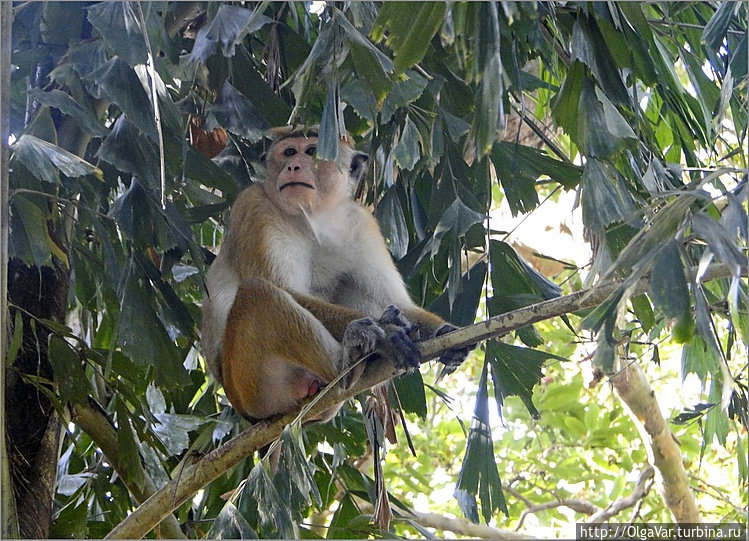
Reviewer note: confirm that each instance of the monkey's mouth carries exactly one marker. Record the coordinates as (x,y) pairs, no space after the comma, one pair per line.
(303,184)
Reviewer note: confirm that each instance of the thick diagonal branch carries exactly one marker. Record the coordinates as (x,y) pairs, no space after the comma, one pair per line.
(197,475)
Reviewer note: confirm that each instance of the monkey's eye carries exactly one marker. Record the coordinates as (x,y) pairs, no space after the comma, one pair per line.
(289,151)
(311,150)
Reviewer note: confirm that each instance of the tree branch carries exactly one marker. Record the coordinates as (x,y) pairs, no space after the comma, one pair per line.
(138,483)
(462,526)
(197,475)
(661,445)
(638,493)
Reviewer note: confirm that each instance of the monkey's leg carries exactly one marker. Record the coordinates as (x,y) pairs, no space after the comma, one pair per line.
(274,352)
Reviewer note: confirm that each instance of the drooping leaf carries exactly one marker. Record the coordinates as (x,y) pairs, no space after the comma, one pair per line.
(29,238)
(294,479)
(263,505)
(393,223)
(120,27)
(605,197)
(227,28)
(230,524)
(407,151)
(411,28)
(462,311)
(235,113)
(65,103)
(44,159)
(478,473)
(715,30)
(589,47)
(120,84)
(669,290)
(489,117)
(602,131)
(68,369)
(142,334)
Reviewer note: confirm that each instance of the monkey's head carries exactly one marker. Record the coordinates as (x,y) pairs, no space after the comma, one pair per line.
(297,181)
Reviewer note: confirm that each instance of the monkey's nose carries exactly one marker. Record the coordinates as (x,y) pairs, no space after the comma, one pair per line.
(295,168)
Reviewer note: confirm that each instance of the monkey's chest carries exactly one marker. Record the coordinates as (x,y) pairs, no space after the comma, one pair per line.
(333,274)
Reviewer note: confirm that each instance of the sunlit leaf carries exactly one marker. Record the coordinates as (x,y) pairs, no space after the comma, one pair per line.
(230,524)
(44,159)
(515,371)
(411,28)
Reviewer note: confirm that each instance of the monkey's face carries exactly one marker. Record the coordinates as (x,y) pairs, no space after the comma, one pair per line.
(297,181)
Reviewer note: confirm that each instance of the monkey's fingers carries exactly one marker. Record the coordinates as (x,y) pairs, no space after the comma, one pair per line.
(394,316)
(452,358)
(399,347)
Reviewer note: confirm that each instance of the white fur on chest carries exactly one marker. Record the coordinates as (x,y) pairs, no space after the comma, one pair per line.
(313,257)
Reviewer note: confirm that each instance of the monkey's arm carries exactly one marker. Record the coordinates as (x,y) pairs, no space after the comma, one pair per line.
(334,317)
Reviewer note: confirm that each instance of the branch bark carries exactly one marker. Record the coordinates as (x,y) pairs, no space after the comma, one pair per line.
(663,450)
(196,475)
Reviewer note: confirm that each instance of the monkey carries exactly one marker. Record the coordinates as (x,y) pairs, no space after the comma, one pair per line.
(304,285)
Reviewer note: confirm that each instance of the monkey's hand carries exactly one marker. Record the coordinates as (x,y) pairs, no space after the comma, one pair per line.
(360,340)
(454,357)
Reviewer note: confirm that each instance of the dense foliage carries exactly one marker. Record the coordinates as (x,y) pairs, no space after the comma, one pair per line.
(133,126)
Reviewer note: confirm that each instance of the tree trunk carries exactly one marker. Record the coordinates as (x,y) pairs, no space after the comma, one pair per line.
(32,427)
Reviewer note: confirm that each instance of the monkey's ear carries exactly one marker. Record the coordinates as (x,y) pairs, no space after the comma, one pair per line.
(358,167)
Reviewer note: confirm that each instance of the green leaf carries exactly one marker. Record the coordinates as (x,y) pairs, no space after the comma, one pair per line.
(29,238)
(411,28)
(119,83)
(230,524)
(589,47)
(566,104)
(44,159)
(668,284)
(142,334)
(331,125)
(130,152)
(411,395)
(58,99)
(263,505)
(489,116)
(68,368)
(721,243)
(120,27)
(404,92)
(407,152)
(236,114)
(515,371)
(462,311)
(294,479)
(715,30)
(478,473)
(605,196)
(392,222)
(602,131)
(699,358)
(227,28)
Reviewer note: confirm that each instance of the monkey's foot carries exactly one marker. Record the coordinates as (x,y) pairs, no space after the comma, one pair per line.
(361,339)
(452,358)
